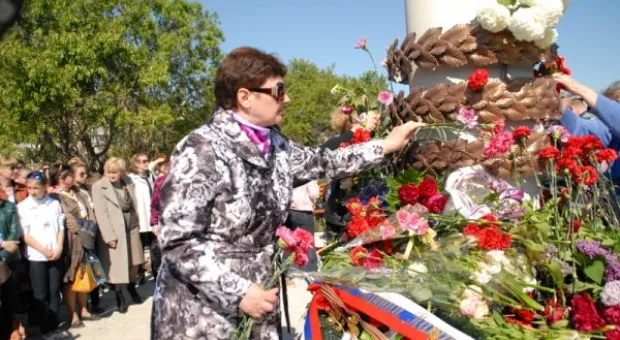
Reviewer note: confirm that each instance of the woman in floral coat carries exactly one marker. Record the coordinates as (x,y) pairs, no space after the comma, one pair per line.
(228,189)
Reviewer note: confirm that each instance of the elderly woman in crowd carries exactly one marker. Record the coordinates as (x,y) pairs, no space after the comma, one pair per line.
(228,189)
(120,249)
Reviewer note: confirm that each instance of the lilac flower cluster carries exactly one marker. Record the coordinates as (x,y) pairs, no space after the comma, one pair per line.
(592,249)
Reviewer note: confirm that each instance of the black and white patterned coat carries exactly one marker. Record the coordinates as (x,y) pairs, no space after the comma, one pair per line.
(221,204)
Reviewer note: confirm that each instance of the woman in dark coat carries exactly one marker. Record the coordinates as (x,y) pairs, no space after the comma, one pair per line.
(228,190)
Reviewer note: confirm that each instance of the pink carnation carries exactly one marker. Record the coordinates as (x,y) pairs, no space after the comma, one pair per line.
(499,143)
(287,240)
(468,117)
(362,44)
(386,230)
(385,97)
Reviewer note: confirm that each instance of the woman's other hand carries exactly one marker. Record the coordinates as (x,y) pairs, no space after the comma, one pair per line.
(258,302)
(10,246)
(400,136)
(112,244)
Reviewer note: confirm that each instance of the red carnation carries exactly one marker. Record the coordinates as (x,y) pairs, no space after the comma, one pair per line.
(549,152)
(428,187)
(305,239)
(375,217)
(471,229)
(374,259)
(408,194)
(560,62)
(523,314)
(589,175)
(521,132)
(388,247)
(478,79)
(585,316)
(606,155)
(612,315)
(517,322)
(576,226)
(591,143)
(436,203)
(355,207)
(553,312)
(356,227)
(360,136)
(357,255)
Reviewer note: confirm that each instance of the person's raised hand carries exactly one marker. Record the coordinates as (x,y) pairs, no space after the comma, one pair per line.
(400,136)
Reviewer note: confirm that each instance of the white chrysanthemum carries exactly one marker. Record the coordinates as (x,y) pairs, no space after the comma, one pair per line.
(493,17)
(551,36)
(417,268)
(611,294)
(527,24)
(565,4)
(552,9)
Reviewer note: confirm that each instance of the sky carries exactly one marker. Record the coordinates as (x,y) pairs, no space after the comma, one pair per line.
(325,31)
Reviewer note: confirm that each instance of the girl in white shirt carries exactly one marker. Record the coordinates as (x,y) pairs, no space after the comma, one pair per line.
(42,222)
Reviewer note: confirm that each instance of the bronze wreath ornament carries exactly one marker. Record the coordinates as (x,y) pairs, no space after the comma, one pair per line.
(460,45)
(515,101)
(443,157)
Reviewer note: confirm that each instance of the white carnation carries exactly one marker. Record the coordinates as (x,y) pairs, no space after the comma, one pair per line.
(611,294)
(528,24)
(493,17)
(552,9)
(551,36)
(416,268)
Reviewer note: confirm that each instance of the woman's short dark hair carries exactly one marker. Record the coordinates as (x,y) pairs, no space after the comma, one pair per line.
(59,171)
(244,67)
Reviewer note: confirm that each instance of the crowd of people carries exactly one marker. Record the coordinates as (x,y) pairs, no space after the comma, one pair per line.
(52,216)
(231,183)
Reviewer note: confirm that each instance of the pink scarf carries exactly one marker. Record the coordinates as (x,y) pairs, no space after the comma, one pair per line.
(257,134)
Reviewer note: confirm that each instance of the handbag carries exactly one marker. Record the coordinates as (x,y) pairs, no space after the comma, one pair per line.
(84,281)
(5,272)
(96,268)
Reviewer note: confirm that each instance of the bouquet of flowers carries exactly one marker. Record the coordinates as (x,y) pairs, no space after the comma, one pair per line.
(295,243)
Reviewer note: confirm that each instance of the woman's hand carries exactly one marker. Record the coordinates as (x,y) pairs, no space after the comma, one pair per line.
(258,302)
(155,230)
(400,136)
(10,246)
(112,244)
(48,253)
(56,253)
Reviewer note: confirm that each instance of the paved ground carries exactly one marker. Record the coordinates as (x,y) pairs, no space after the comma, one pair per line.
(135,325)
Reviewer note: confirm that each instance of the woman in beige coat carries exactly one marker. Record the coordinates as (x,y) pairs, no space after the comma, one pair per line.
(120,249)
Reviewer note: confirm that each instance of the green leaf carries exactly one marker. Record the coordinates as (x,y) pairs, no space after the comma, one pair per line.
(560,324)
(607,242)
(595,271)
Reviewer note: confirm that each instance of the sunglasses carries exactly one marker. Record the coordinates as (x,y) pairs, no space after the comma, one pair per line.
(278,91)
(143,161)
(39,176)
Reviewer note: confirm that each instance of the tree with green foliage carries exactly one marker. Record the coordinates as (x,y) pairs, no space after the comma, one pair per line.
(84,77)
(307,116)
